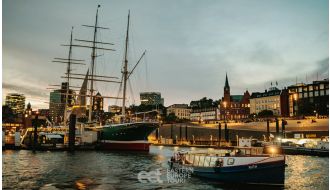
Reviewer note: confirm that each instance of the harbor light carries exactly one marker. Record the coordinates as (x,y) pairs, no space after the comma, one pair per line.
(272,150)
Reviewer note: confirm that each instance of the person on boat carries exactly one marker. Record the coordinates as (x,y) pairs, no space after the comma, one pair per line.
(219,163)
(239,152)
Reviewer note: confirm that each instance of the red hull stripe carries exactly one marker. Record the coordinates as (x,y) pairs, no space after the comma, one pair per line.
(126,146)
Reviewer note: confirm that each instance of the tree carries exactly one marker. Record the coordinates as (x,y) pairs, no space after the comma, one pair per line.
(265,113)
(171,118)
(8,115)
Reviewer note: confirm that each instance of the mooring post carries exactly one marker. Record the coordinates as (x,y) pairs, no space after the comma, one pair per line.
(35,133)
(219,133)
(157,134)
(72,132)
(172,131)
(277,128)
(180,134)
(226,133)
(283,128)
(186,133)
(268,133)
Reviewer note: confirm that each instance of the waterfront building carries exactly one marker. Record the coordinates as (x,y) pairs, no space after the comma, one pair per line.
(274,100)
(28,110)
(98,106)
(97,102)
(114,109)
(181,111)
(234,107)
(205,115)
(57,103)
(151,98)
(56,106)
(43,112)
(309,99)
(16,102)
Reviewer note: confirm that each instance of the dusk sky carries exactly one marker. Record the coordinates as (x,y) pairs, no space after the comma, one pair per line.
(190,45)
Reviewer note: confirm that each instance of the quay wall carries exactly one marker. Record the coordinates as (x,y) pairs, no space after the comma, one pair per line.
(204,133)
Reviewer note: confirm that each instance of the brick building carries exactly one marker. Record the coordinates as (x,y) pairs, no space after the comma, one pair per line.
(234,107)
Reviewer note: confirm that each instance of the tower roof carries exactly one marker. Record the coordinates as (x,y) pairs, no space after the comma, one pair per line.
(227,83)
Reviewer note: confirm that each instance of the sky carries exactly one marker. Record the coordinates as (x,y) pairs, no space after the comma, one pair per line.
(190,44)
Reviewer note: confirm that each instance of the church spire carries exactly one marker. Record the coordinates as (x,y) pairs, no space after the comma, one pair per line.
(226,84)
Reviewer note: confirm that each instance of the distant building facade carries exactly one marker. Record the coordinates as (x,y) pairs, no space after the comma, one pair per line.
(274,100)
(114,109)
(309,99)
(98,106)
(205,115)
(151,98)
(181,111)
(57,101)
(16,102)
(234,107)
(56,106)
(97,102)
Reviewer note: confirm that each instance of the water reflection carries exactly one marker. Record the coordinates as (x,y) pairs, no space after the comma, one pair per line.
(119,170)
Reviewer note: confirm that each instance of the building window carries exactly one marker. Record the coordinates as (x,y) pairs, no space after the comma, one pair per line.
(316,93)
(310,94)
(327,92)
(300,89)
(321,86)
(310,88)
(321,93)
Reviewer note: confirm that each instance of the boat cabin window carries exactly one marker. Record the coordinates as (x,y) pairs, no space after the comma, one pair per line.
(196,160)
(201,161)
(207,161)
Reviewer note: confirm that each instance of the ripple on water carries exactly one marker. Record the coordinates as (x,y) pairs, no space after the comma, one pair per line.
(118,170)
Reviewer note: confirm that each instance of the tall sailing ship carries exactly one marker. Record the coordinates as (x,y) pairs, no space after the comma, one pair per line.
(125,135)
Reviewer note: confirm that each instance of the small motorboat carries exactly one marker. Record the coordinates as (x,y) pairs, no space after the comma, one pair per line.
(236,165)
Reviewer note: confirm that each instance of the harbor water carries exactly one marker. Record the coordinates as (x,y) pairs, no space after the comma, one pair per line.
(22,169)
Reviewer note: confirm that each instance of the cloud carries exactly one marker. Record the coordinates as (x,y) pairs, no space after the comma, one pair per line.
(29,91)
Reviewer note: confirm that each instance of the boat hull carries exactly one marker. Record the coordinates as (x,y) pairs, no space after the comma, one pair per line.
(246,170)
(130,136)
(126,145)
(270,173)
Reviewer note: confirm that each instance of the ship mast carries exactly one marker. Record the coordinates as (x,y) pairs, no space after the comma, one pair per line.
(94,47)
(68,81)
(93,64)
(69,62)
(125,71)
